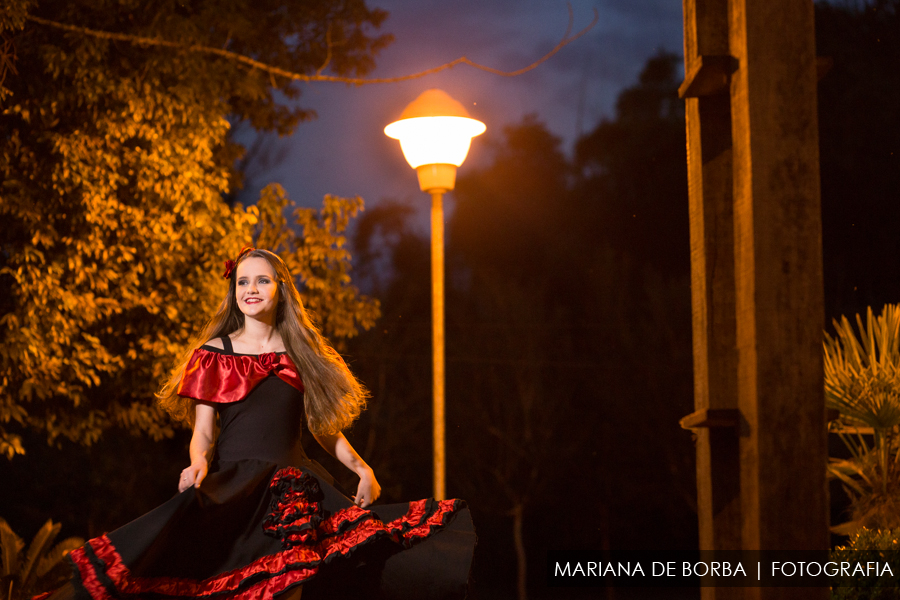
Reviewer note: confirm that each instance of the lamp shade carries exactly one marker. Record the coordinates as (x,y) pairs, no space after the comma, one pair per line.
(434,129)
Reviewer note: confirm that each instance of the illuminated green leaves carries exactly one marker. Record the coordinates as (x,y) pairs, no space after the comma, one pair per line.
(114,162)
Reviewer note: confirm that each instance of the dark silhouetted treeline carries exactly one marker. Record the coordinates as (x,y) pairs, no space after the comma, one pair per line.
(568,309)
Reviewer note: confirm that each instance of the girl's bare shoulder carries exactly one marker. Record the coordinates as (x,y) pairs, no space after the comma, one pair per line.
(215,343)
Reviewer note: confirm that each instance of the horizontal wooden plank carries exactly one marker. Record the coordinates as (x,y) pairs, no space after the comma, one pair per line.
(709,75)
(711,417)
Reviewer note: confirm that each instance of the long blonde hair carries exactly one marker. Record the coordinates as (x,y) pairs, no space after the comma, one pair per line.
(333,397)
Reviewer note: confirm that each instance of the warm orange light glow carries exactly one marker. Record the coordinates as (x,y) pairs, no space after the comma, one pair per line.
(435,140)
(434,129)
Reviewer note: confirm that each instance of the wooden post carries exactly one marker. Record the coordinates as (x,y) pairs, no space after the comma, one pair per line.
(708,118)
(756,265)
(778,277)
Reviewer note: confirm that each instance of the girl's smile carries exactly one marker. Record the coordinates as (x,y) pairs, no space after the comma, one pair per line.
(256,288)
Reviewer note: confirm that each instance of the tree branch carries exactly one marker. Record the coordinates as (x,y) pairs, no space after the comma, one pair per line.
(567,39)
(7,59)
(328,47)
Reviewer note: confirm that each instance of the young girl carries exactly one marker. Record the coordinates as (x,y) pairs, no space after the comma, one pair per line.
(256,518)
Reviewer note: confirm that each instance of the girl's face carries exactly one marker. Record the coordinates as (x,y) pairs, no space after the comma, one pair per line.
(256,288)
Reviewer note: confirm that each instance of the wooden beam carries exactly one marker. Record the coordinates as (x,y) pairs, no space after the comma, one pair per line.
(708,121)
(778,281)
(710,418)
(708,75)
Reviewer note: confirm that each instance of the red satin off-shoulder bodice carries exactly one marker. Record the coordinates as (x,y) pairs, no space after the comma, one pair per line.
(212,376)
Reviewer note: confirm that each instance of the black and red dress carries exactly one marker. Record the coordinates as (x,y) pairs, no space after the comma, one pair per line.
(267,518)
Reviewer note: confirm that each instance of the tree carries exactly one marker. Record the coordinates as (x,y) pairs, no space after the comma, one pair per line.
(317,254)
(39,569)
(859,126)
(114,159)
(504,351)
(631,198)
(633,185)
(569,345)
(506,220)
(862,383)
(510,366)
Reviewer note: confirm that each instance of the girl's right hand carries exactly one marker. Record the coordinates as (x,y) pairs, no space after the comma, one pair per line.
(192,476)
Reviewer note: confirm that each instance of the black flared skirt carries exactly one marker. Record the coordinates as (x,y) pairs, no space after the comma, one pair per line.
(255,530)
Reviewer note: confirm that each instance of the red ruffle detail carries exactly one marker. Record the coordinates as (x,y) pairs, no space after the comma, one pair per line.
(88,576)
(284,569)
(339,534)
(224,378)
(296,511)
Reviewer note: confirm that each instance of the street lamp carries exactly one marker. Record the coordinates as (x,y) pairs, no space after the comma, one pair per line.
(435,132)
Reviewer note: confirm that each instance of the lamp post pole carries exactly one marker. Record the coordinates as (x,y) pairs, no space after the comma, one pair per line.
(435,132)
(437,336)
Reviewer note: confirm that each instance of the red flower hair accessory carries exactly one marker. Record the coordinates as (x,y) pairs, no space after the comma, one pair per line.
(231,264)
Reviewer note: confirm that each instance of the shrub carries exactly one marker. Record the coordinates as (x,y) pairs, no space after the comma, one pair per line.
(869,545)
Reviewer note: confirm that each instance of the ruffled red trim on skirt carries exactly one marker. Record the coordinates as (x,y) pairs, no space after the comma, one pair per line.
(105,577)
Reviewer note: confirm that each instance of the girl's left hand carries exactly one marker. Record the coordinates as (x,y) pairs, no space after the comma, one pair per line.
(193,476)
(368,490)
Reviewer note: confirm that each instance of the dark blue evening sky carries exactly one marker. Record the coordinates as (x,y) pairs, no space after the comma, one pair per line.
(345,152)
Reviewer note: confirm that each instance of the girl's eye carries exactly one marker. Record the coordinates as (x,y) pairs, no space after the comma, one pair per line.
(263,280)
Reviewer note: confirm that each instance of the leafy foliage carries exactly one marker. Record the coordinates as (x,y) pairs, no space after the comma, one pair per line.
(114,161)
(38,569)
(868,545)
(862,382)
(319,257)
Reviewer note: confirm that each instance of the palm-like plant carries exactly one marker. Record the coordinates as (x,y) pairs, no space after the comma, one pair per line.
(862,383)
(38,569)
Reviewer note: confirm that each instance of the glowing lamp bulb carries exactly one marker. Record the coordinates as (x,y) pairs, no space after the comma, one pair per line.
(435,140)
(435,132)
